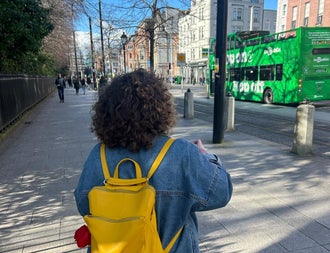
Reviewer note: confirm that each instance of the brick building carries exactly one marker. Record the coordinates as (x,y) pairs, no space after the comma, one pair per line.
(296,13)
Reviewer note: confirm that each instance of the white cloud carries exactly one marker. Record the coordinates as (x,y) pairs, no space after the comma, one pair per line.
(84,43)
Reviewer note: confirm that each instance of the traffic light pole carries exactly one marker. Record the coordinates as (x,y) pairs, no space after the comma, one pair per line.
(220,72)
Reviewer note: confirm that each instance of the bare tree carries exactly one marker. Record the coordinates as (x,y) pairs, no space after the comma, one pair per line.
(59,43)
(133,15)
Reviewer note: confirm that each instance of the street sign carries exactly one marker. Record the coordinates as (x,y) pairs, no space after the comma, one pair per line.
(181,59)
(205,52)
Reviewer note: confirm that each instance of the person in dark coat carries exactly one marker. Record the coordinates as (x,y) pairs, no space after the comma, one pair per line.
(76,85)
(60,84)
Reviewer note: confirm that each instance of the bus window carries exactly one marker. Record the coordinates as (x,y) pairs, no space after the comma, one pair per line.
(252,42)
(239,44)
(268,39)
(251,73)
(279,72)
(267,73)
(235,74)
(230,44)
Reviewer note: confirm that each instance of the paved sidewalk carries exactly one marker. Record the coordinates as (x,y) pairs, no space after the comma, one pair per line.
(280,203)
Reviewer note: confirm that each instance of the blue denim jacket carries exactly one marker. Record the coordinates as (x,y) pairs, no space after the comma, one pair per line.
(186,182)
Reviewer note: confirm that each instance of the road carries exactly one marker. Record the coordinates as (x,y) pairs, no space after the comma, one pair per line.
(270,122)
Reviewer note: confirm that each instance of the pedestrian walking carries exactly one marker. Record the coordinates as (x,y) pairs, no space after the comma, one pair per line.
(83,85)
(76,84)
(89,82)
(202,80)
(133,118)
(69,81)
(60,84)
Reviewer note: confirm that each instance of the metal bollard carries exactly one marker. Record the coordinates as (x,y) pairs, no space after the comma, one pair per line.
(230,106)
(303,130)
(188,105)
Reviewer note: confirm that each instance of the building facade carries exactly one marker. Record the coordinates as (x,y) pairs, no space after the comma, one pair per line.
(198,29)
(297,13)
(137,49)
(185,33)
(269,21)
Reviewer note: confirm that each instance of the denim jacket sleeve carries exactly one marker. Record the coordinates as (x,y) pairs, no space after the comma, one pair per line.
(91,176)
(210,182)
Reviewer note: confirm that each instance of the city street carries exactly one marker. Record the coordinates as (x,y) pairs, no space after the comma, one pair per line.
(280,201)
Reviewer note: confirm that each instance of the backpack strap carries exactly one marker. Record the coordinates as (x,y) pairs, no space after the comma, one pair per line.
(160,157)
(153,167)
(152,170)
(105,168)
(171,243)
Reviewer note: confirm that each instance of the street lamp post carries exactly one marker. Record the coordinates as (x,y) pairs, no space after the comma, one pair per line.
(102,45)
(124,42)
(220,77)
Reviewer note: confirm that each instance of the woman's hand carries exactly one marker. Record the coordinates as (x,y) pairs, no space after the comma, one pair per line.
(200,146)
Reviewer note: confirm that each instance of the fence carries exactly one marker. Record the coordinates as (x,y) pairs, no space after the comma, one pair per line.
(18,93)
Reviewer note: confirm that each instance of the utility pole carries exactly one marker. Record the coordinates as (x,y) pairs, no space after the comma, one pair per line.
(74,45)
(75,52)
(102,45)
(220,76)
(151,30)
(92,51)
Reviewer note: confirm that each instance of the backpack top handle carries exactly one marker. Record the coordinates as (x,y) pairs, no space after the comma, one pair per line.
(139,179)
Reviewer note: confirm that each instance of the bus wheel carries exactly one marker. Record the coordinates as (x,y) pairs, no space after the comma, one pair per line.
(268,96)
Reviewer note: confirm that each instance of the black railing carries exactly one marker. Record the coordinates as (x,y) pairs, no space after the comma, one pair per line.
(18,93)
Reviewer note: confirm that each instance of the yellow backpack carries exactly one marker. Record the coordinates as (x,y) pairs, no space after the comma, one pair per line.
(123,217)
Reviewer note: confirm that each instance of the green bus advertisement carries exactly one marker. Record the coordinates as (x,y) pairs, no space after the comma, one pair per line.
(285,68)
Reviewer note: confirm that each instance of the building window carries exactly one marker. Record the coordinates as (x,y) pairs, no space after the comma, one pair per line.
(284,10)
(201,32)
(237,13)
(201,14)
(321,7)
(306,15)
(306,21)
(307,9)
(267,24)
(256,14)
(320,12)
(319,20)
(237,28)
(294,17)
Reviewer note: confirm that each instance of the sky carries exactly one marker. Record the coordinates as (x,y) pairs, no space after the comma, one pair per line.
(82,23)
(83,27)
(270,4)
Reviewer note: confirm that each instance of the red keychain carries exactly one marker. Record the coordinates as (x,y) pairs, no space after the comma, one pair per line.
(82,236)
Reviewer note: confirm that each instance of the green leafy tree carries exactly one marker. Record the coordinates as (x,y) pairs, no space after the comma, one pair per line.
(23,26)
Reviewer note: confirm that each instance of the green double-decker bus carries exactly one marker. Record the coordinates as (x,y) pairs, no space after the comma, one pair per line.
(286,68)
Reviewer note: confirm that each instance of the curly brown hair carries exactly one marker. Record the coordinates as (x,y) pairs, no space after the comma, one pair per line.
(133,110)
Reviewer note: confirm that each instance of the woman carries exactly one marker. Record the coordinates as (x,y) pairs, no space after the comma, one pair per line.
(133,118)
